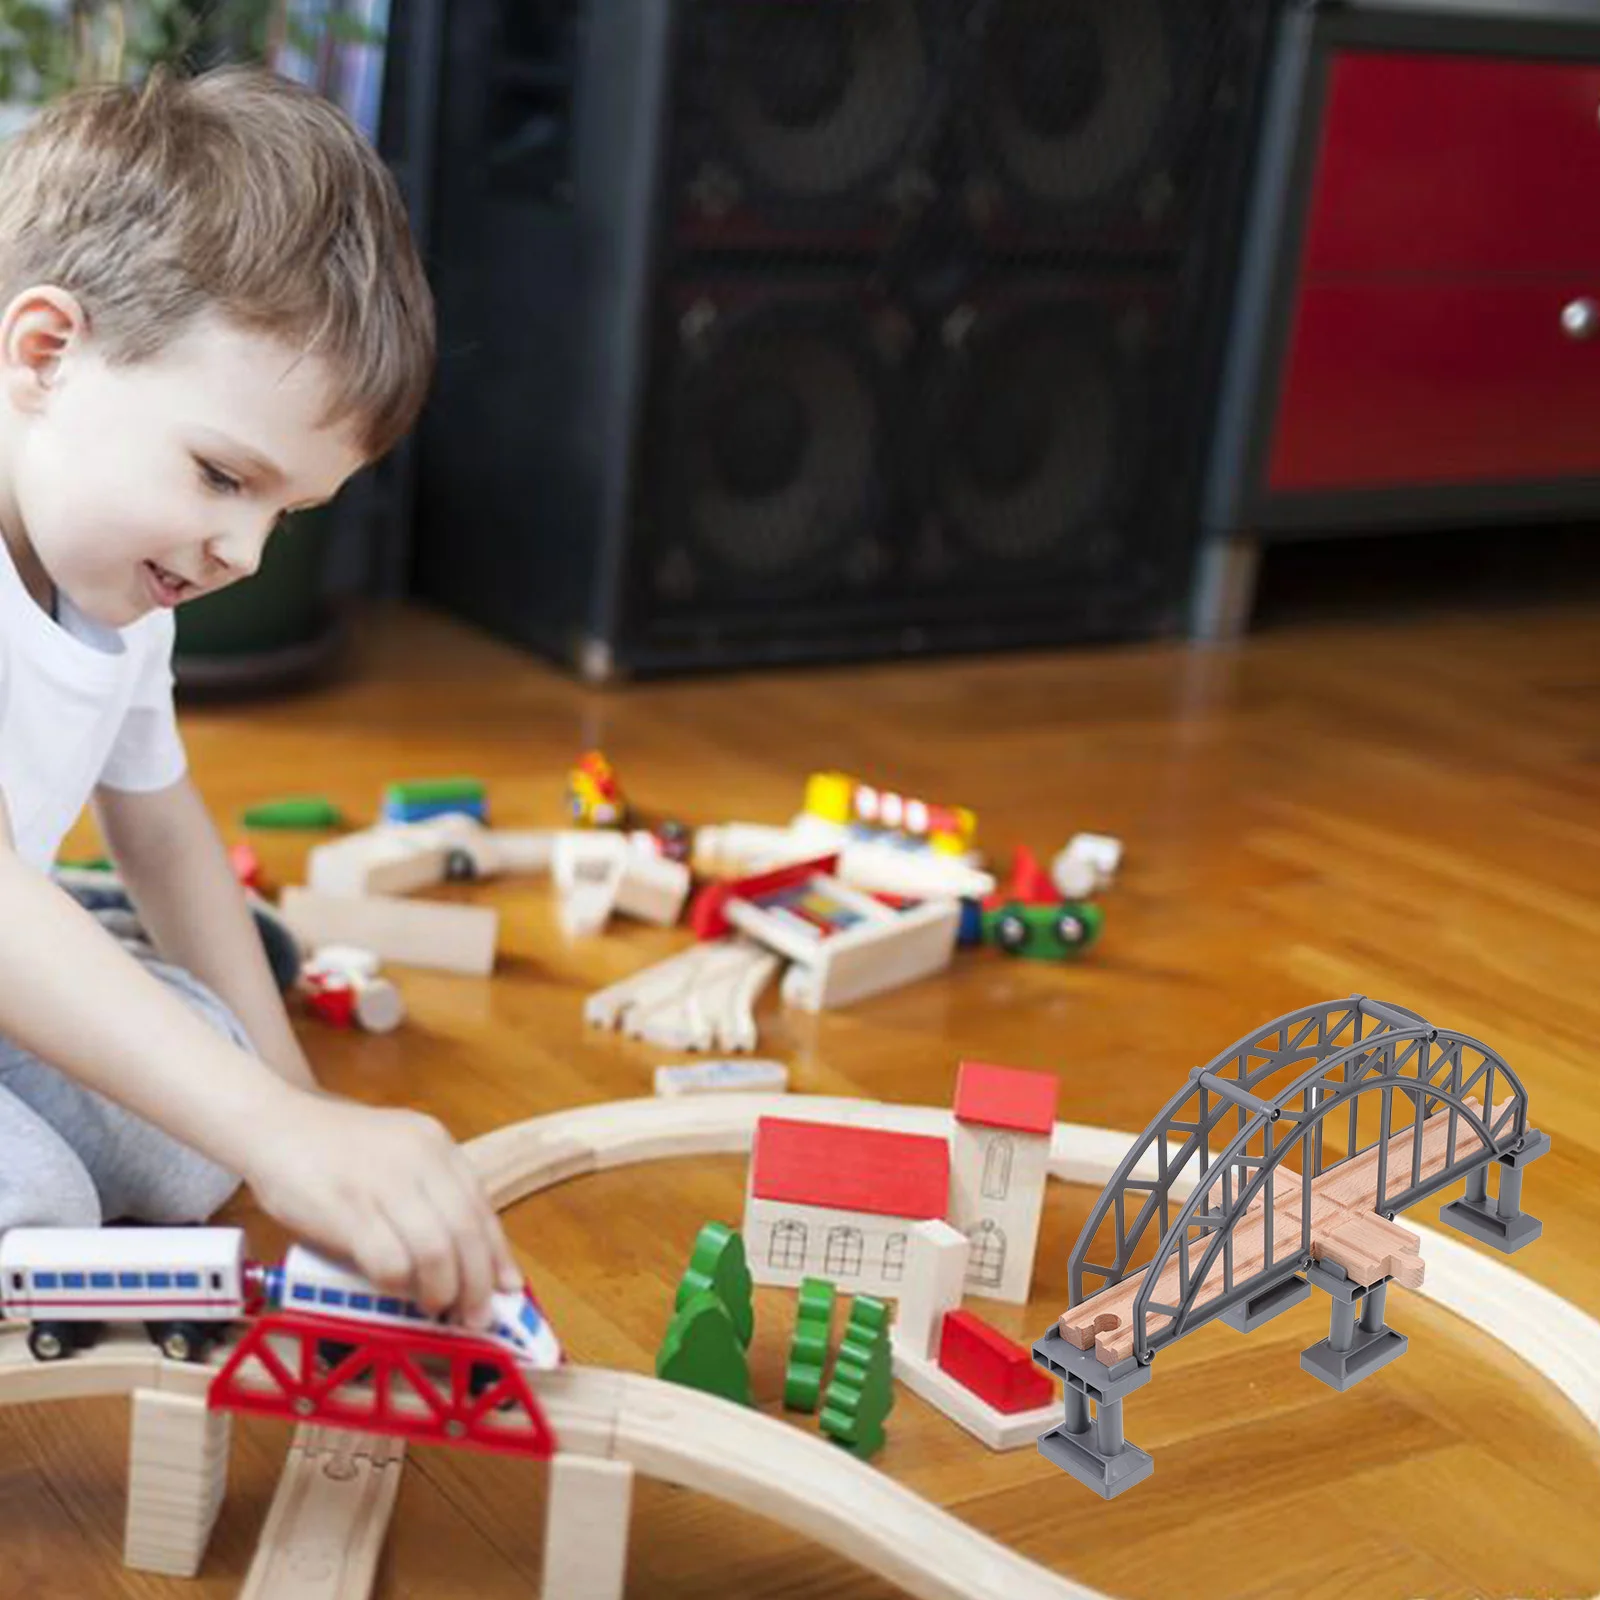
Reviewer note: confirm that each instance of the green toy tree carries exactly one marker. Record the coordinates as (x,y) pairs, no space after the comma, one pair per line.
(717,1265)
(862,1392)
(702,1350)
(808,1354)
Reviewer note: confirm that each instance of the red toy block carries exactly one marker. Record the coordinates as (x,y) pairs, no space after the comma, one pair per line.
(708,916)
(1006,1097)
(332,1000)
(1030,882)
(993,1367)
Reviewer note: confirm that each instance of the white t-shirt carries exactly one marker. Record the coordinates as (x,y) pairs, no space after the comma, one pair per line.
(80,705)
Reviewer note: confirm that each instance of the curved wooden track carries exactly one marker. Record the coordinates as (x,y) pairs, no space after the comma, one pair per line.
(763,1465)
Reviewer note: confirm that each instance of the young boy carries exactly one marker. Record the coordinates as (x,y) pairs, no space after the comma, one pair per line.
(211,314)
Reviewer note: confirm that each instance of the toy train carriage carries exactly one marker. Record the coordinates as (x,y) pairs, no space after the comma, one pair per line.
(188,1286)
(312,1285)
(838,798)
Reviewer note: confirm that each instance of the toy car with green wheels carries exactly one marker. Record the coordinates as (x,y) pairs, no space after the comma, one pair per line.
(1043,932)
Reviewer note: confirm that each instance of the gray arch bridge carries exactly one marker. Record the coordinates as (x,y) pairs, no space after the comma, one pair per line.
(1278,1167)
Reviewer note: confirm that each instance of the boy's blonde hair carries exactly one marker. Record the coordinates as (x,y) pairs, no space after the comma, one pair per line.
(236,192)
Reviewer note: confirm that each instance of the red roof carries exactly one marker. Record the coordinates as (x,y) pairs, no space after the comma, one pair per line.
(850,1169)
(1006,1097)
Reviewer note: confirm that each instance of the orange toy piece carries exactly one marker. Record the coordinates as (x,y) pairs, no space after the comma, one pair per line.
(594,797)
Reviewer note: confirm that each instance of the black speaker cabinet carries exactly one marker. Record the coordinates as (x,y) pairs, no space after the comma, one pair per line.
(780,330)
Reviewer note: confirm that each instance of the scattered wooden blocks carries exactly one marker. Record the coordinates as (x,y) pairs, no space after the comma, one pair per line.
(722,1077)
(377,861)
(343,986)
(417,933)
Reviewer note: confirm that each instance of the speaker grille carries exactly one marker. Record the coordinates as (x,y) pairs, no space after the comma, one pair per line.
(806,104)
(782,465)
(1031,442)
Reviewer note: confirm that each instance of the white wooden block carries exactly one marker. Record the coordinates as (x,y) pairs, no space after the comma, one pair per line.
(653,889)
(999,1430)
(342,960)
(586,1528)
(997,1182)
(380,1007)
(912,874)
(884,954)
(418,933)
(587,869)
(740,849)
(936,1271)
(379,861)
(525,849)
(726,1077)
(177,1476)
(1087,865)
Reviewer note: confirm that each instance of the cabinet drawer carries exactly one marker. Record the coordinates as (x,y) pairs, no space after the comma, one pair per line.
(1411,383)
(1456,163)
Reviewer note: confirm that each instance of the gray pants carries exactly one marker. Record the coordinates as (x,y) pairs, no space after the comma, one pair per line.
(71,1158)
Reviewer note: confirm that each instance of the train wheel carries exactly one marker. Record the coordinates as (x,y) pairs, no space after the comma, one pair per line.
(181,1341)
(1011,932)
(51,1341)
(459,867)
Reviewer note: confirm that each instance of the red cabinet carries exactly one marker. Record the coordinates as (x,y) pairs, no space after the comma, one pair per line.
(1416,336)
(1445,327)
(1443,164)
(1395,381)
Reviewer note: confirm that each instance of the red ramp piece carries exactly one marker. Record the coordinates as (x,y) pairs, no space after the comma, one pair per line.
(993,1367)
(708,915)
(411,1383)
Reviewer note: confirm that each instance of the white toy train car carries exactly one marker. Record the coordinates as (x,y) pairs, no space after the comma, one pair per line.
(188,1286)
(311,1284)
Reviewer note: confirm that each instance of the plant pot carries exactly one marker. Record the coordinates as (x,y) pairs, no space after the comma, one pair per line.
(272,631)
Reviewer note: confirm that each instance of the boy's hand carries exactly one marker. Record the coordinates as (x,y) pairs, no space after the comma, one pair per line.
(389,1191)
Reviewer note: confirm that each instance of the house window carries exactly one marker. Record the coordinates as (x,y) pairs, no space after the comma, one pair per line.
(997,1167)
(986,1260)
(894,1258)
(787,1248)
(842,1258)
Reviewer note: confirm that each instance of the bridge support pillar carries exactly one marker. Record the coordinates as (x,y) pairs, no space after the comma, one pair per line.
(1358,1342)
(1503,1224)
(1095,1452)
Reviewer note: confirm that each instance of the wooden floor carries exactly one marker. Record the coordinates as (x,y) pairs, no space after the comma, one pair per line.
(1408,812)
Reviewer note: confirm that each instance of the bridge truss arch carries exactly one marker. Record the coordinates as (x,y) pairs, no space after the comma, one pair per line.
(1249,1127)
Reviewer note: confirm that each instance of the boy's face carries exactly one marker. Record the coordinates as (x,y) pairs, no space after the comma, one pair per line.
(141,486)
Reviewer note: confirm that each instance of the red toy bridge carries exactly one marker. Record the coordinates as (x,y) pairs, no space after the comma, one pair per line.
(380,1384)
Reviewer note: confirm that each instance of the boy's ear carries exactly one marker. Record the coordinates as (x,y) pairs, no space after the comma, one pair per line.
(36,330)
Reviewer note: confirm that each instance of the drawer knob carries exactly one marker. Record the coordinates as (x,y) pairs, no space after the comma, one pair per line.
(1580,318)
